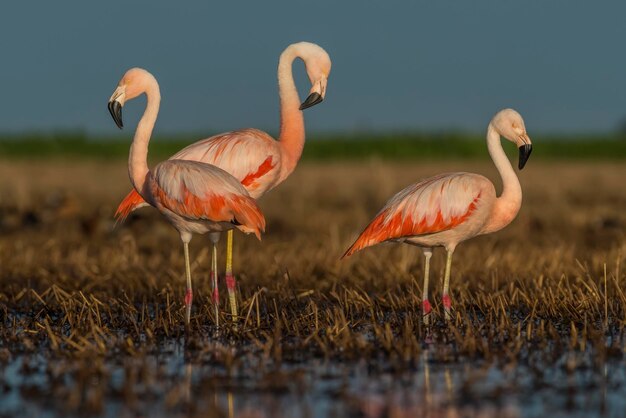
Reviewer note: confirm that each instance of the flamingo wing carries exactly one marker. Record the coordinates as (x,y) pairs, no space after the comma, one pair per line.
(433,205)
(198,191)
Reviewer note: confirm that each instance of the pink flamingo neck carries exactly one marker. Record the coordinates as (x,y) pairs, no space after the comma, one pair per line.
(508,204)
(291,137)
(138,157)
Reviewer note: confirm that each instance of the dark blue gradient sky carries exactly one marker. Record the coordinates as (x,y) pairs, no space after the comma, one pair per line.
(397,65)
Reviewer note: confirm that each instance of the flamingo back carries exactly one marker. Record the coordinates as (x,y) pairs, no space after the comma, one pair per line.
(433,205)
(249,155)
(198,191)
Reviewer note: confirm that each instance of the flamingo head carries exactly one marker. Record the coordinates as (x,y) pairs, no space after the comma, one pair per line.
(509,124)
(133,83)
(317,63)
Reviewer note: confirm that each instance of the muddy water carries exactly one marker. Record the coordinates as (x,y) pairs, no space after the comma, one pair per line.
(172,381)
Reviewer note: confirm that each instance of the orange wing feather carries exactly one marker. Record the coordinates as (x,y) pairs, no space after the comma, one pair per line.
(263,169)
(132,201)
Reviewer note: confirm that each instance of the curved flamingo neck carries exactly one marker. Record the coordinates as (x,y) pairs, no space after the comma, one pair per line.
(508,204)
(138,157)
(291,137)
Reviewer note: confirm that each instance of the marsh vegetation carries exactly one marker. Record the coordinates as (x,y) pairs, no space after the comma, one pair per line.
(91,314)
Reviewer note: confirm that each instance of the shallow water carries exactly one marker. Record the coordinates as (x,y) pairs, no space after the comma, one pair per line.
(174,381)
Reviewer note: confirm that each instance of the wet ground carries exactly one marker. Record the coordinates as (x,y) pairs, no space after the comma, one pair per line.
(173,381)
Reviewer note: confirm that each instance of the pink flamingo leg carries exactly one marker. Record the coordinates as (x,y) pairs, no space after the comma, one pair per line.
(447,303)
(216,291)
(229,277)
(426,306)
(189,292)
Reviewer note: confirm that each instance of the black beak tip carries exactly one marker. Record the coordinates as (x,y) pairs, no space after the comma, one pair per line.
(312,100)
(524,152)
(115,109)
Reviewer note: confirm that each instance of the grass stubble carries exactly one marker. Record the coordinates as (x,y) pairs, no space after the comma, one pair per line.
(94,310)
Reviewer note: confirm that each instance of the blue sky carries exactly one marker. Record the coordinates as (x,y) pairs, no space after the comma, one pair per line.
(397,65)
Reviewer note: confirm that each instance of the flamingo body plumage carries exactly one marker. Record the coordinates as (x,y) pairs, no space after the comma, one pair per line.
(198,198)
(439,211)
(447,209)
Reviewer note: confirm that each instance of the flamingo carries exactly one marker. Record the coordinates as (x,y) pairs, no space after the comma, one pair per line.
(444,210)
(194,197)
(252,156)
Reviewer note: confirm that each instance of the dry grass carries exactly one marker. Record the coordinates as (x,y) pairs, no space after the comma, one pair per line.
(78,290)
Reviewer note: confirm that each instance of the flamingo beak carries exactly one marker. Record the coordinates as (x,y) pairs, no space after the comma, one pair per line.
(313,99)
(116,102)
(316,96)
(524,153)
(115,108)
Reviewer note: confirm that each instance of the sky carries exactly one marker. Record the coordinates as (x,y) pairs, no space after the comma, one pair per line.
(397,65)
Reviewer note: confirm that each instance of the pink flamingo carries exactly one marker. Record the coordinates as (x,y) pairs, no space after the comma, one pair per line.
(444,210)
(195,197)
(253,157)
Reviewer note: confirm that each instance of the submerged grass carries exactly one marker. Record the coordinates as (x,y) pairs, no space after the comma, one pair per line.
(548,291)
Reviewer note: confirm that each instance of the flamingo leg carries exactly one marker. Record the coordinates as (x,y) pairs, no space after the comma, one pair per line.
(230,278)
(216,291)
(447,304)
(189,293)
(426,307)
